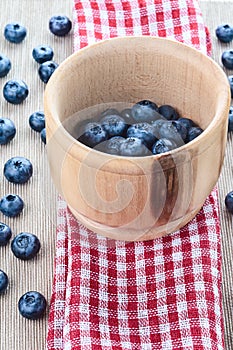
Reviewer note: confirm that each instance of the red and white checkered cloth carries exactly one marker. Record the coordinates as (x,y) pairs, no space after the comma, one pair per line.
(162,294)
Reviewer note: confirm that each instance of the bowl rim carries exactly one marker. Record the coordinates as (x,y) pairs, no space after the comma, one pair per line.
(215,122)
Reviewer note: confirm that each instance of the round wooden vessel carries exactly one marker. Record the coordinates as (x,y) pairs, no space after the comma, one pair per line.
(136,198)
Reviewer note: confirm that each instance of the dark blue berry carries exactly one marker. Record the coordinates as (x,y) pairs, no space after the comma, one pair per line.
(127,116)
(18,170)
(25,246)
(143,131)
(133,147)
(168,112)
(15,91)
(42,53)
(46,69)
(227,59)
(60,25)
(230,119)
(15,32)
(193,133)
(3,281)
(230,79)
(37,121)
(43,135)
(5,234)
(229,202)
(5,65)
(11,205)
(7,130)
(170,130)
(112,146)
(163,145)
(224,33)
(156,124)
(188,123)
(32,305)
(114,125)
(92,134)
(145,111)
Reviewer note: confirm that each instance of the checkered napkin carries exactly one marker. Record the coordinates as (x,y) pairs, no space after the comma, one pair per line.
(162,294)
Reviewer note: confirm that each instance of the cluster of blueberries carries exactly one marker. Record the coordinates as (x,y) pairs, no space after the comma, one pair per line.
(18,170)
(142,130)
(224,33)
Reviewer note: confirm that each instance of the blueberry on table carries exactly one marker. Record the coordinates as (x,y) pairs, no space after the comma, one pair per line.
(15,32)
(230,119)
(227,59)
(37,121)
(5,234)
(25,245)
(114,125)
(194,132)
(46,69)
(32,305)
(143,131)
(133,147)
(3,281)
(163,145)
(224,33)
(5,65)
(168,112)
(145,111)
(15,91)
(43,135)
(112,146)
(60,25)
(18,170)
(230,79)
(11,205)
(92,134)
(229,202)
(7,130)
(42,53)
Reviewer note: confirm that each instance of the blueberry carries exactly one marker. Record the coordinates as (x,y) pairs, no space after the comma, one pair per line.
(60,25)
(92,134)
(37,121)
(163,145)
(194,132)
(230,79)
(3,281)
(230,119)
(43,135)
(227,59)
(127,116)
(32,305)
(11,205)
(168,112)
(224,33)
(15,32)
(5,65)
(112,146)
(187,122)
(229,202)
(143,131)
(46,69)
(156,124)
(114,125)
(42,53)
(170,130)
(145,111)
(18,170)
(7,130)
(182,130)
(15,91)
(133,147)
(5,234)
(25,245)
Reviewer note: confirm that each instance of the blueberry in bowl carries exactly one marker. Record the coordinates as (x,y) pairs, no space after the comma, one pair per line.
(32,305)
(15,32)
(145,111)
(7,130)
(15,91)
(18,170)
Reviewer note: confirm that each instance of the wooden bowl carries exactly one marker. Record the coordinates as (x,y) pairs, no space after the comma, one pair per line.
(136,198)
